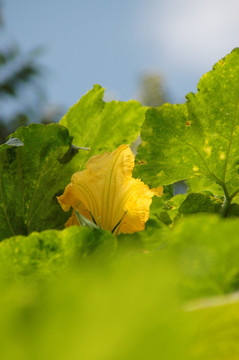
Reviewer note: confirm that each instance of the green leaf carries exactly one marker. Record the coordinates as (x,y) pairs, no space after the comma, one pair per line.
(214,327)
(206,251)
(171,208)
(199,202)
(46,253)
(30,178)
(103,126)
(151,239)
(198,138)
(234,210)
(125,310)
(198,184)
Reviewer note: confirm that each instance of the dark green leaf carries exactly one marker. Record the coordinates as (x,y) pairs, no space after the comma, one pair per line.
(30,178)
(199,202)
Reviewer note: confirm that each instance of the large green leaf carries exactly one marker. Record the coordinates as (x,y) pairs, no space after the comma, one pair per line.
(198,138)
(30,178)
(103,126)
(127,310)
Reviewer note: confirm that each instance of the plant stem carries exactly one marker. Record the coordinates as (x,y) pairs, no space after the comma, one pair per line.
(227,202)
(226,206)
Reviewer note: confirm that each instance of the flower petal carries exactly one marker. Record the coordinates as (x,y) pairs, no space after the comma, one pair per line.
(71,198)
(72,220)
(136,207)
(106,193)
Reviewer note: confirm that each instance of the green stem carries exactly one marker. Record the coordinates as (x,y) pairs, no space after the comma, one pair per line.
(227,202)
(226,206)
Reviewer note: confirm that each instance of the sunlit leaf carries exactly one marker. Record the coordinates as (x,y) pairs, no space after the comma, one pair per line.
(103,126)
(198,138)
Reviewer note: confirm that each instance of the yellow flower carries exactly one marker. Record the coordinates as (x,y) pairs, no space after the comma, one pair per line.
(106,193)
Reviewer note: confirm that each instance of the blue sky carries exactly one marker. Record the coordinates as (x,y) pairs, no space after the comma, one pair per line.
(112,42)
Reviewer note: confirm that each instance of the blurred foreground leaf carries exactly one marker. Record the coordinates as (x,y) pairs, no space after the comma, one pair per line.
(122,310)
(206,250)
(46,253)
(215,328)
